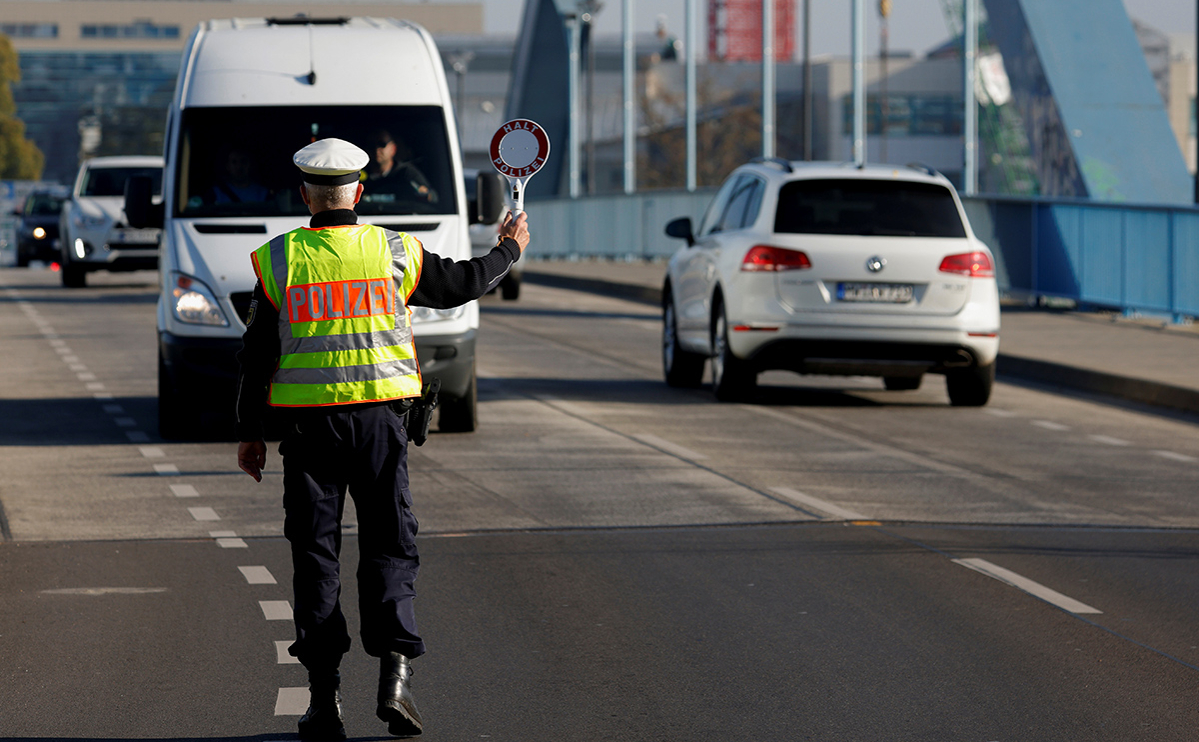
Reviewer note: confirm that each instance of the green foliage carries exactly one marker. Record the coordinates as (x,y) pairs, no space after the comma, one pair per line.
(20,159)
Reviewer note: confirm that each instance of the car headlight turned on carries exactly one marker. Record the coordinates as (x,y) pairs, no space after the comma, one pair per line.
(194,303)
(426,314)
(39,233)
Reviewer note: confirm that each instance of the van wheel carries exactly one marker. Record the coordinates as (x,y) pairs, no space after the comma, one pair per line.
(170,407)
(732,378)
(970,387)
(902,383)
(510,288)
(461,415)
(682,367)
(73,277)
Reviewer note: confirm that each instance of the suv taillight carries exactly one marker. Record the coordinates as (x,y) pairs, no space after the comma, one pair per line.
(973,264)
(767,258)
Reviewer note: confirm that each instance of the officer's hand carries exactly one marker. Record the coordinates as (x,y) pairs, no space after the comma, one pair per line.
(517,229)
(251,457)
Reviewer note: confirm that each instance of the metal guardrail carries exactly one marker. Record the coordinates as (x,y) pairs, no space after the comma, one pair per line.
(1128,257)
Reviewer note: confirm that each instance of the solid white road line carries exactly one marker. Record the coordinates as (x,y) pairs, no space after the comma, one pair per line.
(166,470)
(184,490)
(1050,425)
(1107,439)
(291,702)
(258,575)
(815,503)
(281,655)
(667,446)
(1023,583)
(1175,456)
(152,452)
(204,514)
(275,610)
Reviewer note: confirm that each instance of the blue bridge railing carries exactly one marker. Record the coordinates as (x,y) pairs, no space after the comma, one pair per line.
(1133,258)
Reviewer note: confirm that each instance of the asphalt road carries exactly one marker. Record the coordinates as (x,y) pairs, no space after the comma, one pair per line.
(606,558)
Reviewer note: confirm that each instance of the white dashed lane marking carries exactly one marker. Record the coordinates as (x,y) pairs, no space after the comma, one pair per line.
(204,514)
(281,655)
(1175,456)
(1036,589)
(1050,425)
(184,490)
(166,470)
(114,409)
(1108,440)
(275,610)
(291,702)
(258,575)
(152,452)
(136,436)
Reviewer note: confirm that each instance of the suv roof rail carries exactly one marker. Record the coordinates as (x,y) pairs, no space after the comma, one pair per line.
(784,165)
(302,20)
(923,168)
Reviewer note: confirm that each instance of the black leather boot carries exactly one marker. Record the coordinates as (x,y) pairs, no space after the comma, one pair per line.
(323,720)
(396,705)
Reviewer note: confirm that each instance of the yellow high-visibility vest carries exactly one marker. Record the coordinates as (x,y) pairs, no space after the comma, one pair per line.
(345,329)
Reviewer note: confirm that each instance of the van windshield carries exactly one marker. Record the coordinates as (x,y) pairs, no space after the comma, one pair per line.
(238,161)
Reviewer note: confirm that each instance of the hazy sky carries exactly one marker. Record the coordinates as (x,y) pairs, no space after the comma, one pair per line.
(916,25)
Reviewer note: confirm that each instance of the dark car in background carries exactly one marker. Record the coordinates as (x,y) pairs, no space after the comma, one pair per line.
(37,230)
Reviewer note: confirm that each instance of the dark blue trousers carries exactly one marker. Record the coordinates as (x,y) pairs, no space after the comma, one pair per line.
(363,448)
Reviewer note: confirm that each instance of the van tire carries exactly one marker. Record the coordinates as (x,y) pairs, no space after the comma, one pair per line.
(170,408)
(73,277)
(510,288)
(461,415)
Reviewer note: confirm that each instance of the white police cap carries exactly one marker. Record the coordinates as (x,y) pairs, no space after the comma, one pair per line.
(331,162)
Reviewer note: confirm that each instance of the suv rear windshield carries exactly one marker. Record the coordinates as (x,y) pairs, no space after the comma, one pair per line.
(238,161)
(867,207)
(110,181)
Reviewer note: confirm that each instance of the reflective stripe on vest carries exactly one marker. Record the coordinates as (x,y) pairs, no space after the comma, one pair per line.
(345,331)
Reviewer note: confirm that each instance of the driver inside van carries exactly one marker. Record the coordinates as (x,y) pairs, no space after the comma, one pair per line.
(392,169)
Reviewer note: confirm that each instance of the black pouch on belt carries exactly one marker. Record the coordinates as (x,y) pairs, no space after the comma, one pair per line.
(420,417)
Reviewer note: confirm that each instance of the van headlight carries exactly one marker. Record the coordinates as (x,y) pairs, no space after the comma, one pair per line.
(426,314)
(194,303)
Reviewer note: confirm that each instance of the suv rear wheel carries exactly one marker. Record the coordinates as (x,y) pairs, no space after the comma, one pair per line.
(970,387)
(732,378)
(682,367)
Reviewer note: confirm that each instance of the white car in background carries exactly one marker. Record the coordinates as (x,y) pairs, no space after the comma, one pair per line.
(93,231)
(825,268)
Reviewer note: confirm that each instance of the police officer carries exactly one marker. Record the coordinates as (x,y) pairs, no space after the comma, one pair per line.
(329,342)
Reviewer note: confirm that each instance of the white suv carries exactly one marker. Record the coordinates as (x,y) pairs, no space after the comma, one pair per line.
(825,268)
(94,233)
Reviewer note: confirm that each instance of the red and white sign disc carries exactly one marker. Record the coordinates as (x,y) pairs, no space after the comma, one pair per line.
(519,148)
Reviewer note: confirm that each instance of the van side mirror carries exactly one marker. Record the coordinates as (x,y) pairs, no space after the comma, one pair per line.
(681,228)
(489,201)
(140,209)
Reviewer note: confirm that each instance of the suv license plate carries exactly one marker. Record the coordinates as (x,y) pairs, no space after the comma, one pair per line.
(886,293)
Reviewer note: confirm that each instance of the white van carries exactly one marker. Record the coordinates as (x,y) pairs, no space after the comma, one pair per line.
(250,93)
